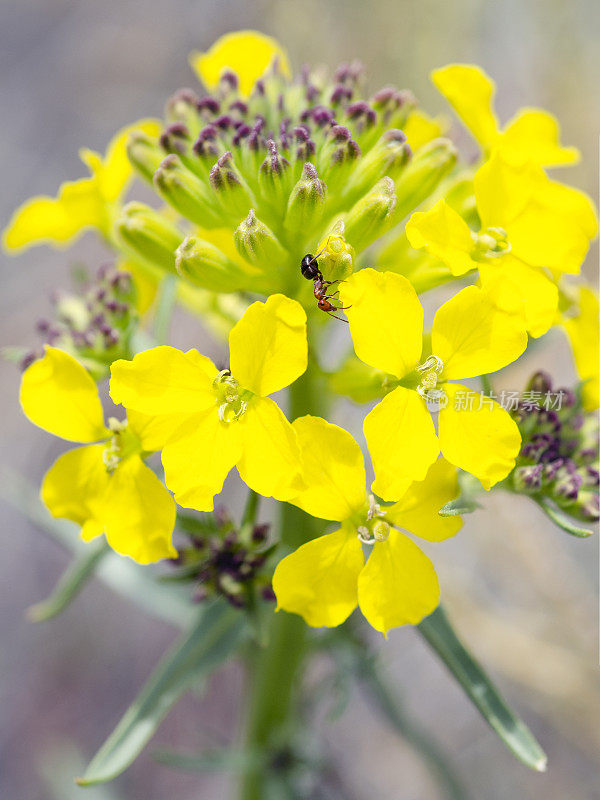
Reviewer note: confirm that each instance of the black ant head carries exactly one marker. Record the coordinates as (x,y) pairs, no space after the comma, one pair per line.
(309,267)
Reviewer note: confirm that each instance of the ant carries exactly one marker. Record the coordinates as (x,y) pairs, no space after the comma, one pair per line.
(309,267)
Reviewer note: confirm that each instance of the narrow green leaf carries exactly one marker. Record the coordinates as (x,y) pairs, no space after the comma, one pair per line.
(440,635)
(70,584)
(562,520)
(462,505)
(214,636)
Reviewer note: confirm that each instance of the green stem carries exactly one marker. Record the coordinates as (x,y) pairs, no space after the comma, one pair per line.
(486,385)
(275,669)
(167,297)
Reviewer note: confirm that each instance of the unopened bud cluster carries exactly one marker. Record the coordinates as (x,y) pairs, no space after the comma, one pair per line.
(95,326)
(225,561)
(281,169)
(559,454)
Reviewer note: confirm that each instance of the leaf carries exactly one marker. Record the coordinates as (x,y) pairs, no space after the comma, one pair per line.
(561,520)
(70,584)
(215,634)
(438,632)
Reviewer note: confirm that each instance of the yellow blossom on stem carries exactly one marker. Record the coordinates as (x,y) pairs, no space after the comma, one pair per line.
(582,330)
(469,337)
(532,229)
(532,134)
(247,54)
(206,421)
(325,579)
(104,487)
(86,203)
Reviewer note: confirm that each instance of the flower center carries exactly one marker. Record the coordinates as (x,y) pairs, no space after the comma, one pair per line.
(430,370)
(112,455)
(375,528)
(490,243)
(229,398)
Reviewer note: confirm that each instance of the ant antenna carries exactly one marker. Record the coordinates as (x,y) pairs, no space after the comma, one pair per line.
(314,258)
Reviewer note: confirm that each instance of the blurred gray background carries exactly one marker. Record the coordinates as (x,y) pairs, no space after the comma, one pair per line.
(523,594)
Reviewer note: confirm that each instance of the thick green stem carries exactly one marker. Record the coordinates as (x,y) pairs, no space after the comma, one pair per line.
(275,669)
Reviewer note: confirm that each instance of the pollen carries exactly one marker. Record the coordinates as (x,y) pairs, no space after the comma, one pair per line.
(227,390)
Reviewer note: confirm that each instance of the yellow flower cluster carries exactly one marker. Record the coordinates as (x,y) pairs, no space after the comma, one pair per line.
(504,225)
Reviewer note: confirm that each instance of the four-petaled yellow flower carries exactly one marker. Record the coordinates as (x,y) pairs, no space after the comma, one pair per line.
(86,203)
(207,421)
(469,338)
(105,487)
(532,134)
(529,225)
(248,54)
(325,579)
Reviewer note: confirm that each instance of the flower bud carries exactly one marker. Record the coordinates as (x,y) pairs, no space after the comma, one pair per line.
(306,203)
(256,243)
(372,216)
(205,265)
(422,175)
(337,256)
(145,154)
(234,194)
(386,158)
(146,234)
(186,193)
(275,177)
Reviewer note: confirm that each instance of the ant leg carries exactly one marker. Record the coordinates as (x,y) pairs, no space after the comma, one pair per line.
(341,319)
(342,308)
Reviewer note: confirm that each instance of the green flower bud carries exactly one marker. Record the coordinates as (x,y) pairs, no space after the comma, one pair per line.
(372,216)
(306,203)
(205,265)
(234,194)
(148,235)
(257,244)
(359,382)
(275,178)
(145,154)
(186,193)
(336,259)
(387,158)
(432,162)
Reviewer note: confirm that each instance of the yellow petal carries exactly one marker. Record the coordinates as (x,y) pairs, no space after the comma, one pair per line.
(469,90)
(75,486)
(334,470)
(398,585)
(517,288)
(386,320)
(401,440)
(198,458)
(56,220)
(164,380)
(417,511)
(472,337)
(247,53)
(319,579)
(268,347)
(140,514)
(445,235)
(534,135)
(583,334)
(270,462)
(154,431)
(420,128)
(60,396)
(478,436)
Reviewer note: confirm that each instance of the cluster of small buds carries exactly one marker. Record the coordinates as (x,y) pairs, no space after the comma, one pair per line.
(280,169)
(559,454)
(225,561)
(94,326)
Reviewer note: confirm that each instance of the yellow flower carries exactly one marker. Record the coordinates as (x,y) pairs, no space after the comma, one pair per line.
(532,134)
(583,334)
(421,128)
(325,579)
(248,54)
(206,421)
(104,487)
(469,338)
(86,203)
(528,223)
